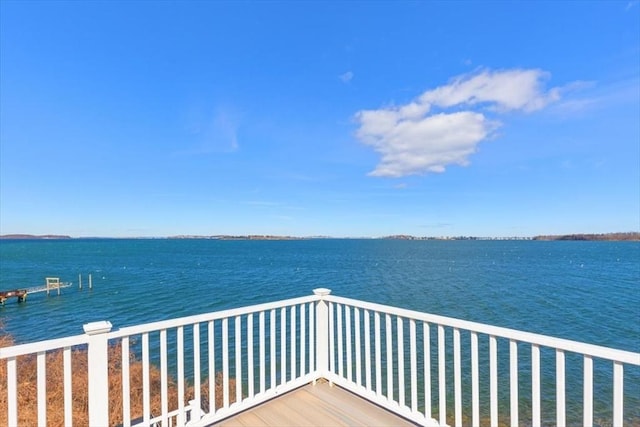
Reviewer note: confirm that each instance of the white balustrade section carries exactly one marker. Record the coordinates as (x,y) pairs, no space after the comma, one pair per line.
(430,369)
(482,375)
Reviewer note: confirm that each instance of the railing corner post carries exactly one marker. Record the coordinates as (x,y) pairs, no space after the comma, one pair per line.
(322,332)
(98,372)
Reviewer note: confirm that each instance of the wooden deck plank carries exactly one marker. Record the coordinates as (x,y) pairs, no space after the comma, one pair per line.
(316,405)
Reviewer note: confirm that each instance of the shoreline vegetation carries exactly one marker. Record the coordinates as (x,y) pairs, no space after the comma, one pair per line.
(605,237)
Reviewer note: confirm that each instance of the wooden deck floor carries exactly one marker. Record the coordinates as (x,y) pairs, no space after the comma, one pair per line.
(316,405)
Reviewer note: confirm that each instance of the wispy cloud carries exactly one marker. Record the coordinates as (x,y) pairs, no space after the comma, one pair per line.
(572,107)
(437,225)
(214,133)
(270,204)
(581,98)
(346,77)
(263,203)
(225,130)
(443,126)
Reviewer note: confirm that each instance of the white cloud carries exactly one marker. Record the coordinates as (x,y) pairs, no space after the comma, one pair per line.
(504,90)
(414,139)
(346,77)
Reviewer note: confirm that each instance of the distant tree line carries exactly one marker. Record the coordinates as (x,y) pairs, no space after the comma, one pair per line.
(627,236)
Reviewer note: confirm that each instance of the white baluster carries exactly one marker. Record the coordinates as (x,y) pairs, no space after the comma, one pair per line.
(493,379)
(164,382)
(293,342)
(356,315)
(389,354)
(238,340)
(263,366)
(212,366)
(347,316)
(225,362)
(426,343)
(197,390)
(413,377)
(180,360)
(400,343)
(588,391)
(303,339)
(146,388)
(560,389)
(68,375)
(618,393)
(513,381)
(283,346)
(376,324)
(367,350)
(457,378)
(126,393)
(42,388)
(475,382)
(250,361)
(535,386)
(442,384)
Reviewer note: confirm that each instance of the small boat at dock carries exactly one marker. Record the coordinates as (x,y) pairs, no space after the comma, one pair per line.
(21,294)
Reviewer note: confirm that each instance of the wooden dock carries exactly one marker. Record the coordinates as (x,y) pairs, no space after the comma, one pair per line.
(51,284)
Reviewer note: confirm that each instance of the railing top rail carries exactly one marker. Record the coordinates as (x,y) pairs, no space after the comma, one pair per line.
(205,317)
(48,345)
(522,336)
(497,331)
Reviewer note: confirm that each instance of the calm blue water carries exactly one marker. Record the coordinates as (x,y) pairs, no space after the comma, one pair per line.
(588,291)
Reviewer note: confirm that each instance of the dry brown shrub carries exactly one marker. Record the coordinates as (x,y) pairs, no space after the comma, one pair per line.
(27,388)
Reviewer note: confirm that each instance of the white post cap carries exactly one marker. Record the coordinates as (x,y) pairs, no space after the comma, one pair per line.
(322,291)
(94,328)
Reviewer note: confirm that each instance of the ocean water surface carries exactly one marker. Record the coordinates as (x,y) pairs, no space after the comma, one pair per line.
(586,291)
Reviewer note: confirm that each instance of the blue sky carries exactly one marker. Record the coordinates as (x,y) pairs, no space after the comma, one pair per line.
(357,119)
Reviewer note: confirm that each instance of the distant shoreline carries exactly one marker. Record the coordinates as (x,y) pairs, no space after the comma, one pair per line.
(34,237)
(608,237)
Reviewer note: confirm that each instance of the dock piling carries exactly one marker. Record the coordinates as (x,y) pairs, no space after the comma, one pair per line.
(52,283)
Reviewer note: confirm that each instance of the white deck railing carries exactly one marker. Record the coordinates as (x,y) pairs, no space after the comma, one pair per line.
(407,361)
(429,369)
